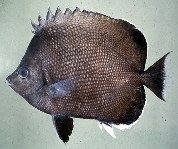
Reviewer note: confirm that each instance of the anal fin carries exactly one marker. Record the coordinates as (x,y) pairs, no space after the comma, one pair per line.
(108,128)
(64,126)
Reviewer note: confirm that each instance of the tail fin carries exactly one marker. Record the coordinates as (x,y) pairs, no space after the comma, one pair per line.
(154,77)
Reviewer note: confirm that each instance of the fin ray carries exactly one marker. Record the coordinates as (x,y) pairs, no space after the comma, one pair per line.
(100,125)
(49,16)
(35,26)
(109,130)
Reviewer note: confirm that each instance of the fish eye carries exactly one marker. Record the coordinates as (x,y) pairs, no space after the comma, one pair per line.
(23,72)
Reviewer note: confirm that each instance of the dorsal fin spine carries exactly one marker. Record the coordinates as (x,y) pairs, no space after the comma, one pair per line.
(58,14)
(41,21)
(49,16)
(68,12)
(68,15)
(76,10)
(35,26)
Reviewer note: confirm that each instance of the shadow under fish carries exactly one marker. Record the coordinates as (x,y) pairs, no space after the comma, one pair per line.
(86,65)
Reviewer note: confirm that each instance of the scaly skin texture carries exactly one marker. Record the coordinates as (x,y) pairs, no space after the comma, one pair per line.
(107,57)
(110,85)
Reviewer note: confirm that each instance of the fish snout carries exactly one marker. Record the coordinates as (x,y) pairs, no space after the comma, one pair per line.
(8,81)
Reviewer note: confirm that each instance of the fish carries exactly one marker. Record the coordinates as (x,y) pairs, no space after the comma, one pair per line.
(83,64)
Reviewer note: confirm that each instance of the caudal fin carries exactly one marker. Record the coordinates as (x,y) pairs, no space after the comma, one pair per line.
(154,77)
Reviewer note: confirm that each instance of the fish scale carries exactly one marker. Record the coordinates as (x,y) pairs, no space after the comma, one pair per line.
(86,65)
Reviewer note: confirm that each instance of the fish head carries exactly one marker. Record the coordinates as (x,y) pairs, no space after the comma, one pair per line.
(28,78)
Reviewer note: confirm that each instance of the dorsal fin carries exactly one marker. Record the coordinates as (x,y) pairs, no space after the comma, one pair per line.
(69,15)
(130,42)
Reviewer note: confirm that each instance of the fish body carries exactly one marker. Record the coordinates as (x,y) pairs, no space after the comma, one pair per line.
(86,65)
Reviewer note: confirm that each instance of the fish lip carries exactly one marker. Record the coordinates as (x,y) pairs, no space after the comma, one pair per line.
(8,82)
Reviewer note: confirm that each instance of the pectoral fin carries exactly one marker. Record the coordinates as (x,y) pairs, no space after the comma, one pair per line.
(64,126)
(63,87)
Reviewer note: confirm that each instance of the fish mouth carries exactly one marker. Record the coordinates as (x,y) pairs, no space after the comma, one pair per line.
(8,82)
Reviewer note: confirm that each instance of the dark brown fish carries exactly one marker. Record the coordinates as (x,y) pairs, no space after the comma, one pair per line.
(86,65)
